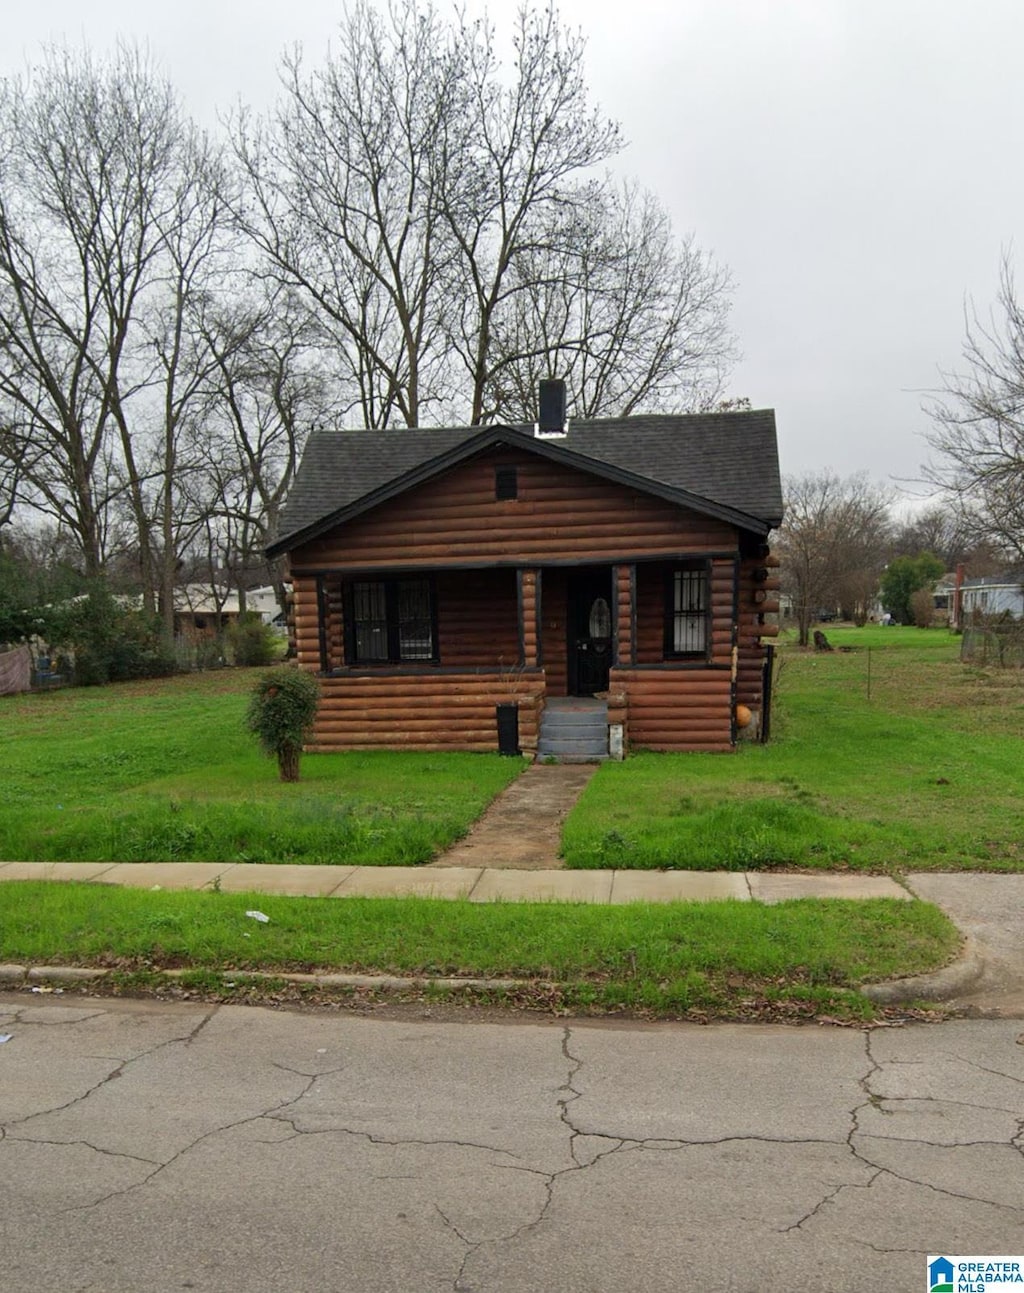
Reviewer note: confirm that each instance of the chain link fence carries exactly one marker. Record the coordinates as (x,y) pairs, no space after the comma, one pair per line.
(999,644)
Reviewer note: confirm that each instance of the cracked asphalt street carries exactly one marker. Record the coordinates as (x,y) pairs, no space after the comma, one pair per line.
(157,1146)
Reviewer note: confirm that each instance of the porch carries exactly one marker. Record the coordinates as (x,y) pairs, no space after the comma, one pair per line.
(442,658)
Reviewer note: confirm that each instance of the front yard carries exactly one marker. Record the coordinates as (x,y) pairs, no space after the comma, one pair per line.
(162,771)
(922,772)
(895,758)
(891,758)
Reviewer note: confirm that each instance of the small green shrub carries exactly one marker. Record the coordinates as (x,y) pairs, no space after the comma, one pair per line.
(280,715)
(252,641)
(108,639)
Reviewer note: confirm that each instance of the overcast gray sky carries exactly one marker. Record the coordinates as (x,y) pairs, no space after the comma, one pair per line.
(857,164)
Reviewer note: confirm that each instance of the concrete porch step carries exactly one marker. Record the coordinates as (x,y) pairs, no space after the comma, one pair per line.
(574,728)
(586,747)
(566,721)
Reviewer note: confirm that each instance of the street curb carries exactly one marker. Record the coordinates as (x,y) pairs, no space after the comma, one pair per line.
(941,985)
(23,975)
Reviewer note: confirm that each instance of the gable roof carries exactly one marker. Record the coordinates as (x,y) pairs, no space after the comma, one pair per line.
(720,464)
(1008,579)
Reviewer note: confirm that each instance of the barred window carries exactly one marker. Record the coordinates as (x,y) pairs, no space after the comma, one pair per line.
(415,620)
(370,621)
(686,612)
(390,621)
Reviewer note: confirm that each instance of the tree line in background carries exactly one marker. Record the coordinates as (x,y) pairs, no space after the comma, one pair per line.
(413,236)
(839,544)
(844,549)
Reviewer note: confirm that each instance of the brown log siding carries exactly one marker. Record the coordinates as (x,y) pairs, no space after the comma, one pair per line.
(651,602)
(675,709)
(560,515)
(477,621)
(554,629)
(492,618)
(529,589)
(422,711)
(751,625)
(624,577)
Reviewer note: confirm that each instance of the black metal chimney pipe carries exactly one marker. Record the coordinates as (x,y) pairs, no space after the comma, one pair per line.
(551,419)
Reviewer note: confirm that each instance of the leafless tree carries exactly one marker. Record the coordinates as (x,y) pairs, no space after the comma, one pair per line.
(344,199)
(445,216)
(630,316)
(978,423)
(833,543)
(86,153)
(197,272)
(516,170)
(13,464)
(271,381)
(952,533)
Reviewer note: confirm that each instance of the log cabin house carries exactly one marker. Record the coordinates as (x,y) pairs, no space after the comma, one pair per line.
(547,588)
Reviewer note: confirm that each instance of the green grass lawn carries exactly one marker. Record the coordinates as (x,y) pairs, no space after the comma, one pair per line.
(720,957)
(890,755)
(163,771)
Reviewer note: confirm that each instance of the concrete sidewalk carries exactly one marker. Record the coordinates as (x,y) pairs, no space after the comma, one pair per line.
(478,884)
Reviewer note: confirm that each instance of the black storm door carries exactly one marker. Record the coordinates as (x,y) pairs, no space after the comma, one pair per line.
(590,631)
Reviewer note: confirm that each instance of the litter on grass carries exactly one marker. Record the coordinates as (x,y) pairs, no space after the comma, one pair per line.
(258,915)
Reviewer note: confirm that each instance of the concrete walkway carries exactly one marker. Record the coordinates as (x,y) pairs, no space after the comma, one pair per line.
(477,883)
(522,829)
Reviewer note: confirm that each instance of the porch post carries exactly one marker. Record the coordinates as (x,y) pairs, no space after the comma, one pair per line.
(624,588)
(528,590)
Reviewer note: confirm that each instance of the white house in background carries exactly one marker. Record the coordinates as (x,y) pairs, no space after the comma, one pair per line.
(200,610)
(993,595)
(264,602)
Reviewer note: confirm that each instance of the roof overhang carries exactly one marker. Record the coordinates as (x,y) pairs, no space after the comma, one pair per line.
(498,436)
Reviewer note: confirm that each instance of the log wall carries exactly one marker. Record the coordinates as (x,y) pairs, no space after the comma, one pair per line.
(624,577)
(425,711)
(306,621)
(758,605)
(554,629)
(477,618)
(528,593)
(650,644)
(670,709)
(560,514)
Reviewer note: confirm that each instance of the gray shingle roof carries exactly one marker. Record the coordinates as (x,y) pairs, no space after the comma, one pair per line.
(728,461)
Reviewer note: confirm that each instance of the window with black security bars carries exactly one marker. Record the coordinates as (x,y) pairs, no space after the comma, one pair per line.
(415,621)
(370,621)
(390,621)
(687,630)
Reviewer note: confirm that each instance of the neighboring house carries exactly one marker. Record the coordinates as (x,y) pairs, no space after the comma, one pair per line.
(202,611)
(993,595)
(944,593)
(263,601)
(440,574)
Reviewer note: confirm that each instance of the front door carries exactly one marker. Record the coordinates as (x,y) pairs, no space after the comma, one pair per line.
(590,631)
